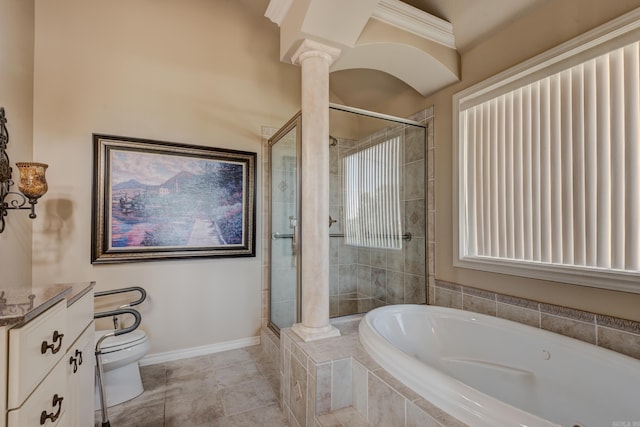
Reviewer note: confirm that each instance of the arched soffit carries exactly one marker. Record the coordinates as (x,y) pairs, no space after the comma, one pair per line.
(416,68)
(424,65)
(365,88)
(383,35)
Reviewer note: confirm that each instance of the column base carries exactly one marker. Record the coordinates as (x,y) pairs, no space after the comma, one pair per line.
(312,334)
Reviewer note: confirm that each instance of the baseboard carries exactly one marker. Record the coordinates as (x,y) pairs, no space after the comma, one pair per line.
(168,356)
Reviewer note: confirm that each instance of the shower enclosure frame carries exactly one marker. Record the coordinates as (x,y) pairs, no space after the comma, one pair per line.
(375,115)
(296,122)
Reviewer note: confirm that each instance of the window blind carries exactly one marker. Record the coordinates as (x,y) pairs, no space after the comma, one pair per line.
(549,172)
(372,179)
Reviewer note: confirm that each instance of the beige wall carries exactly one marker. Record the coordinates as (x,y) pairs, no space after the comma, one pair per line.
(202,72)
(16,96)
(207,72)
(556,22)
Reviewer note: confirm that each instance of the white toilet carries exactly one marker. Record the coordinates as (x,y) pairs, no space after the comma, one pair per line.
(120,356)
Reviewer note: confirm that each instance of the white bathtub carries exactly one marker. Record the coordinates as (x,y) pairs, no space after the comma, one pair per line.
(491,372)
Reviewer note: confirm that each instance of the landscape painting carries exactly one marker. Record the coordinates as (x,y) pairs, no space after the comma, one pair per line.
(158,200)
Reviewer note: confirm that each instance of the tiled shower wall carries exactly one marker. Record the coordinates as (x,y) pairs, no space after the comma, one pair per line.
(365,278)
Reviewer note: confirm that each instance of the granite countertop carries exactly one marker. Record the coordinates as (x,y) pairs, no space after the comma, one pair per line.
(19,306)
(78,290)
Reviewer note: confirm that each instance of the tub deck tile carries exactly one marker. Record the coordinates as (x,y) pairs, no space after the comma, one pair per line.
(568,327)
(479,304)
(347,417)
(620,341)
(519,314)
(397,385)
(438,416)
(386,406)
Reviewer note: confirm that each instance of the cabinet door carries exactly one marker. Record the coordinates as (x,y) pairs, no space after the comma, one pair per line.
(47,404)
(80,363)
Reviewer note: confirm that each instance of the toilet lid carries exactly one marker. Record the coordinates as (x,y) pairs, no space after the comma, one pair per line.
(124,340)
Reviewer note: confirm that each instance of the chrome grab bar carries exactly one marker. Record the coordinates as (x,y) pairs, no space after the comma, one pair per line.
(117,312)
(406,236)
(143,294)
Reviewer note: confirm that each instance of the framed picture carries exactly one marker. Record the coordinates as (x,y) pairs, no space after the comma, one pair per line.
(155,200)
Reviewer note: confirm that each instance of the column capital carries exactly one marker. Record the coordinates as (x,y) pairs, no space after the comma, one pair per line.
(311,48)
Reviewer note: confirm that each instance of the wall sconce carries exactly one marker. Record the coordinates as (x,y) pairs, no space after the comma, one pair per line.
(32,185)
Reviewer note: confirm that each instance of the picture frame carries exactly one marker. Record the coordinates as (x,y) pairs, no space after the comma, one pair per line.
(156,200)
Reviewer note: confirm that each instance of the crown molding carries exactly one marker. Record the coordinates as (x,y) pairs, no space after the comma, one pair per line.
(277,10)
(413,20)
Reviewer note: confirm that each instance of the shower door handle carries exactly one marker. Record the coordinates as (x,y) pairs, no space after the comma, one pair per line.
(293,223)
(294,241)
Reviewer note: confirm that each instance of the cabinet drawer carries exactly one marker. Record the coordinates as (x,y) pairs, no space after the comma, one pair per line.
(41,402)
(79,315)
(29,364)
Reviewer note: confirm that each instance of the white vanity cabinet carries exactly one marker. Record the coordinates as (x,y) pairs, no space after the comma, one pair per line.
(49,378)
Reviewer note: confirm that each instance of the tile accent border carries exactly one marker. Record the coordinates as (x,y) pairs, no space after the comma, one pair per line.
(620,335)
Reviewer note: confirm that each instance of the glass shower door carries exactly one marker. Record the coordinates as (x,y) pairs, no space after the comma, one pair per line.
(284,214)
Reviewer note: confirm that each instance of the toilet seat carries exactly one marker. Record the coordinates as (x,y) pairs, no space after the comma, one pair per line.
(120,342)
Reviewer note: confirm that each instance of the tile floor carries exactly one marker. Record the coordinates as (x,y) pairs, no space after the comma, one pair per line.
(235,388)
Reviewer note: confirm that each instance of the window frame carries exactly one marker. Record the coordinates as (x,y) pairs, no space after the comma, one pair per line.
(607,37)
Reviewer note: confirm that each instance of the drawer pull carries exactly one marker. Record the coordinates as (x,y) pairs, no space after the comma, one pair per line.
(76,360)
(56,337)
(57,401)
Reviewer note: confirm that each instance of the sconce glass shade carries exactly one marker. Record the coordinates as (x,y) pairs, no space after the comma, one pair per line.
(33,183)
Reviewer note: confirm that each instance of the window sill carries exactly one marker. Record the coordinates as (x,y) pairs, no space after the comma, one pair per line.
(616,280)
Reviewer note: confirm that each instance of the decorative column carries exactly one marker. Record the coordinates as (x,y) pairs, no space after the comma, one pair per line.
(315,59)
